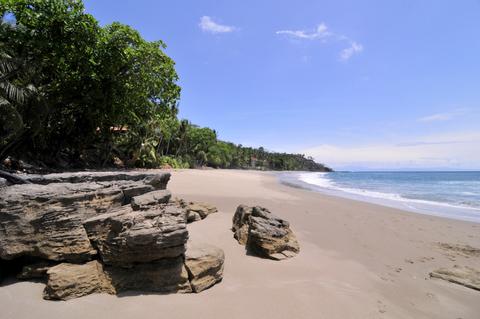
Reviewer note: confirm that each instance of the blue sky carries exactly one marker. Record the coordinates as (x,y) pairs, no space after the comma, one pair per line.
(356,84)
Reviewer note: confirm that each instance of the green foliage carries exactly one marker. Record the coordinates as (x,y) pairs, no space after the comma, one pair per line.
(173,162)
(73,90)
(91,80)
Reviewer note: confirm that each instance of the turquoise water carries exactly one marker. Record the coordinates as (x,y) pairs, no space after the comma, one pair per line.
(448,194)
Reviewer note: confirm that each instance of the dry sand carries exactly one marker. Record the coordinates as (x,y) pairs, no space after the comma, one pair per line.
(357,260)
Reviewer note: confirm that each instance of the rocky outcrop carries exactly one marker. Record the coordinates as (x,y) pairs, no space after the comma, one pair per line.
(201,269)
(204,264)
(196,210)
(158,180)
(45,221)
(127,236)
(103,233)
(465,276)
(68,281)
(263,233)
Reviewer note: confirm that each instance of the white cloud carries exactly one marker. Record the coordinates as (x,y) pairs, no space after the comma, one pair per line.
(443,116)
(436,117)
(322,33)
(450,150)
(208,25)
(347,53)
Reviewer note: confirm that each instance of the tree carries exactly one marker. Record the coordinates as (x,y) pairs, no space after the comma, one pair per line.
(15,90)
(92,80)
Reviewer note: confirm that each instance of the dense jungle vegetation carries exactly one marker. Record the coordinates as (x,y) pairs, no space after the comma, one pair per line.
(76,94)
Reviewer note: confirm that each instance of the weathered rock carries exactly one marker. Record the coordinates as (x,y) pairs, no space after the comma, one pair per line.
(45,221)
(196,210)
(202,209)
(193,217)
(264,233)
(241,224)
(125,221)
(125,236)
(12,178)
(164,276)
(67,281)
(3,182)
(204,264)
(150,199)
(452,250)
(35,271)
(158,180)
(465,276)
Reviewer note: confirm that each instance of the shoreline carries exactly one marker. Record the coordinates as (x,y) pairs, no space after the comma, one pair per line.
(357,260)
(424,207)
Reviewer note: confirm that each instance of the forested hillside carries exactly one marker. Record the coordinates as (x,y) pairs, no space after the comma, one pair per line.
(76,94)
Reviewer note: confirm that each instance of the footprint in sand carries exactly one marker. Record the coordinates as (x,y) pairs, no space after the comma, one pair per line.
(382,308)
(431,295)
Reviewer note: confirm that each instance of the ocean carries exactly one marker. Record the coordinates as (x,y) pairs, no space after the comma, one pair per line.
(448,194)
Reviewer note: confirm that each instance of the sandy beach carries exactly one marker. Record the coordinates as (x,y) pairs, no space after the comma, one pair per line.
(357,260)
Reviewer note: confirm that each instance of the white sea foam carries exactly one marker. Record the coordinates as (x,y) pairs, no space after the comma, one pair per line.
(318,179)
(321,180)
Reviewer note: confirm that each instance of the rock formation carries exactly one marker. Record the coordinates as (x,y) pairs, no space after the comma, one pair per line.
(103,232)
(465,276)
(68,281)
(126,236)
(204,264)
(196,210)
(263,233)
(45,221)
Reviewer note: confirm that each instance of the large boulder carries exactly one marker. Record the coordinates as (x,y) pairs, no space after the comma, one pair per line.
(204,264)
(67,281)
(45,221)
(263,233)
(126,236)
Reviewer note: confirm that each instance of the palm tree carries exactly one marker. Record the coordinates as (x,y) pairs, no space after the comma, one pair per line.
(9,69)
(182,134)
(13,97)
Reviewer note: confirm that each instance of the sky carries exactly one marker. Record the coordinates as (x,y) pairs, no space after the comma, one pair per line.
(355,84)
